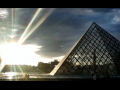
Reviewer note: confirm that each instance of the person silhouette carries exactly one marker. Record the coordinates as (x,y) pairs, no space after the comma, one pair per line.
(26,77)
(95,76)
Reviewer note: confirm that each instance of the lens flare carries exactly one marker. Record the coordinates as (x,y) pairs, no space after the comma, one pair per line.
(13,23)
(36,26)
(12,17)
(21,69)
(27,28)
(27,32)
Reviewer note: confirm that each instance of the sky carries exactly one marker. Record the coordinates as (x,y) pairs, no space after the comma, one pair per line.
(51,32)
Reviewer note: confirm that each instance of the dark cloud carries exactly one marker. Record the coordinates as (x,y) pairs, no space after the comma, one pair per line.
(102,10)
(62,29)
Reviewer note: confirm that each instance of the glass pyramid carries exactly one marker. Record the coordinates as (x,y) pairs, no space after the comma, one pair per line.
(96,50)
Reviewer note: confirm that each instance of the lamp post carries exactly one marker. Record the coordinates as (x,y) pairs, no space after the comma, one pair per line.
(94,61)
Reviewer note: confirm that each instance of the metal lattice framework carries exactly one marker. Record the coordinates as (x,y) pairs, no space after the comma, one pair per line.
(96,50)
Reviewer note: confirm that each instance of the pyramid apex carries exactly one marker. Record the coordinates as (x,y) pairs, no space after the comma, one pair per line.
(94,23)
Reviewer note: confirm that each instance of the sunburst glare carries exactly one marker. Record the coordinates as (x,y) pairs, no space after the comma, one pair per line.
(16,53)
(19,54)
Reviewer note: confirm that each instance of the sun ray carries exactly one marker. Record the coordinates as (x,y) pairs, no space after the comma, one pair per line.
(21,69)
(36,25)
(2,66)
(12,18)
(14,70)
(27,28)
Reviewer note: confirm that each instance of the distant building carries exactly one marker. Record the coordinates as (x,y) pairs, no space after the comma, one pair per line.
(47,67)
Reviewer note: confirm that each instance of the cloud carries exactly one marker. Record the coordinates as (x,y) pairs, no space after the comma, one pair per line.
(116,20)
(53,38)
(58,58)
(102,10)
(3,13)
(75,11)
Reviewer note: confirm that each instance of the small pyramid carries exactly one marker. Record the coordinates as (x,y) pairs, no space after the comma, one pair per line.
(96,50)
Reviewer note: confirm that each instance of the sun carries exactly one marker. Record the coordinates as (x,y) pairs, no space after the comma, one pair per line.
(19,54)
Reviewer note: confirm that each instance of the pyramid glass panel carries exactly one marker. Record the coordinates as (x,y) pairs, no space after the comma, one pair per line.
(96,50)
